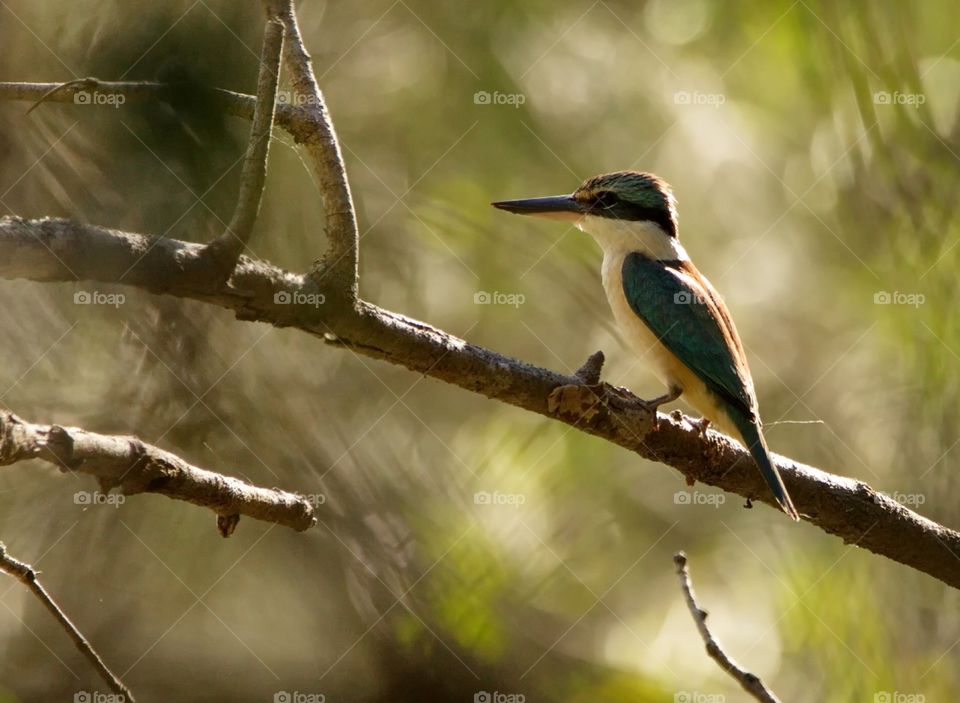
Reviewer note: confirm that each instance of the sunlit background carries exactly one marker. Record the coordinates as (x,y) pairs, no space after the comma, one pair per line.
(814,151)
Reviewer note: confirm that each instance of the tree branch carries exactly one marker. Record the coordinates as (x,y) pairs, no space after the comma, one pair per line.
(62,250)
(226,249)
(750,683)
(28,577)
(323,147)
(136,467)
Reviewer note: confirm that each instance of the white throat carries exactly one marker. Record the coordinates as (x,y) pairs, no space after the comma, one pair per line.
(620,237)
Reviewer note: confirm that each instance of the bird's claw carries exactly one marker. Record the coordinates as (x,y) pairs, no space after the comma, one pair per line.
(653,405)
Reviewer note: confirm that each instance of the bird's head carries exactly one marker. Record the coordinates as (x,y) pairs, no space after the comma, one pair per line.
(612,201)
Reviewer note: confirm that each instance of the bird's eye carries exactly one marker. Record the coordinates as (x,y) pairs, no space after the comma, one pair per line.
(605,200)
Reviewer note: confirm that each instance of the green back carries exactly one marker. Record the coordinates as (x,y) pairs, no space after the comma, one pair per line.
(690,321)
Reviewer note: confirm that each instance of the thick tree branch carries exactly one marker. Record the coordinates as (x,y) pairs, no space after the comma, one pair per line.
(62,250)
(28,577)
(226,249)
(136,467)
(750,683)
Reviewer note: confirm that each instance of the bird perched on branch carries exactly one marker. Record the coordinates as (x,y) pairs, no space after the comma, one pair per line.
(665,307)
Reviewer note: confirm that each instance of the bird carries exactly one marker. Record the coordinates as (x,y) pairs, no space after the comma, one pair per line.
(666,309)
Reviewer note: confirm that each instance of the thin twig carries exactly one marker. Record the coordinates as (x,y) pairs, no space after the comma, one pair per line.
(750,683)
(28,577)
(226,249)
(74,86)
(240,105)
(136,467)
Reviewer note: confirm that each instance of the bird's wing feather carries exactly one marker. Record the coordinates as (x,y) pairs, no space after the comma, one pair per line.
(681,307)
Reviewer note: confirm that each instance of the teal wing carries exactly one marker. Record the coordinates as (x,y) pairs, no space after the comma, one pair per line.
(683,310)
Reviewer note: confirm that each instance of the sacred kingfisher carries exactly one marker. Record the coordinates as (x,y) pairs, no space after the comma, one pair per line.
(667,310)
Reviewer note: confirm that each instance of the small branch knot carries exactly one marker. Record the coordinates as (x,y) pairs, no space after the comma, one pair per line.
(59,443)
(589,373)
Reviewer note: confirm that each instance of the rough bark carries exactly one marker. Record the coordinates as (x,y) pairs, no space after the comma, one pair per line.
(134,467)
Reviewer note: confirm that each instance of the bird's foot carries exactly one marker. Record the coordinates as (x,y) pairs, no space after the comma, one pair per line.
(654,403)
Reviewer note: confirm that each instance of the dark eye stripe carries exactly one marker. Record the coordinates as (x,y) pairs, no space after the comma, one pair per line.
(608,204)
(605,200)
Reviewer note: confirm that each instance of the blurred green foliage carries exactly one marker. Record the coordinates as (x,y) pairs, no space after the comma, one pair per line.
(813,148)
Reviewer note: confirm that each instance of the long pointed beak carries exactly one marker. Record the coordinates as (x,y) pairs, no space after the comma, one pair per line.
(555,207)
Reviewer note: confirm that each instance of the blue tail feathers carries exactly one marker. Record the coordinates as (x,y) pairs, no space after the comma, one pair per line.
(753,438)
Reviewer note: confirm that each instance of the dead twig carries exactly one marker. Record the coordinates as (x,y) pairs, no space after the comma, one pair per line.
(28,577)
(136,467)
(226,249)
(750,683)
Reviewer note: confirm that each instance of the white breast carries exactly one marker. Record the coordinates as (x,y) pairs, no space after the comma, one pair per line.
(641,339)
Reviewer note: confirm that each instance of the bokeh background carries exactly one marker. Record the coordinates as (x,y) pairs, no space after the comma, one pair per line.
(814,151)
